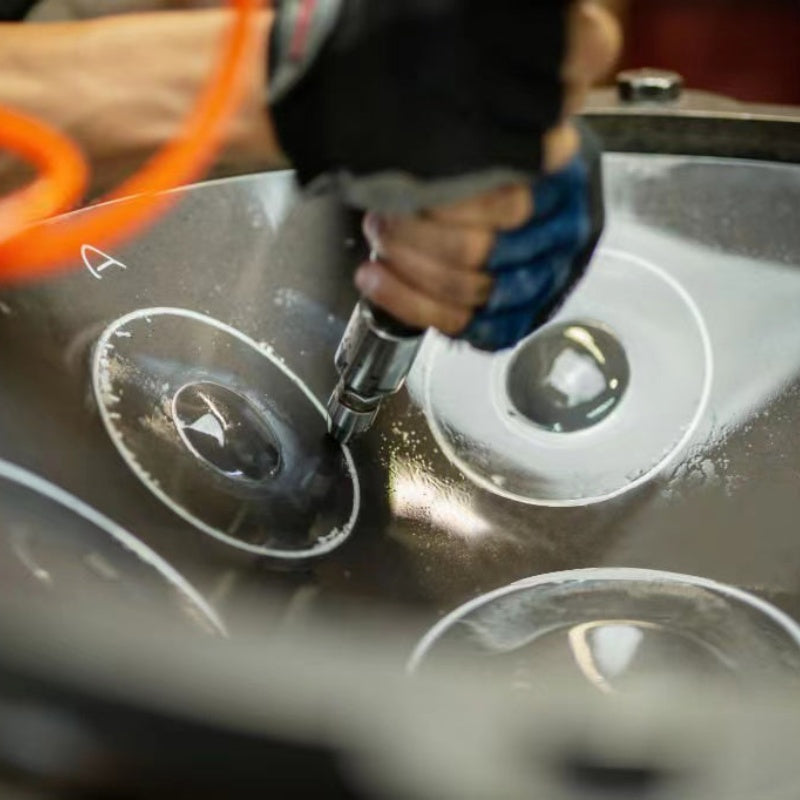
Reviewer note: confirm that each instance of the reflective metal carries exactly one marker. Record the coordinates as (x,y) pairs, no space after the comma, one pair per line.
(615,630)
(569,378)
(373,360)
(246,252)
(649,86)
(697,123)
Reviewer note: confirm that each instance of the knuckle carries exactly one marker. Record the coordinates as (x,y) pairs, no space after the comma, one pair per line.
(398,307)
(474,247)
(471,291)
(391,253)
(371,286)
(463,289)
(371,227)
(441,285)
(453,321)
(392,227)
(454,289)
(400,241)
(518,208)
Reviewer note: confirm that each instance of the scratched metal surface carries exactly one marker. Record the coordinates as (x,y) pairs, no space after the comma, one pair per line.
(246,252)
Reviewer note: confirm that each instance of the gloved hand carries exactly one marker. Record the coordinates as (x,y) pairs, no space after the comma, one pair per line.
(535,267)
(494,268)
(410,146)
(410,104)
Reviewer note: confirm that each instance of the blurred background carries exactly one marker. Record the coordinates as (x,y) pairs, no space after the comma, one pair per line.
(747,49)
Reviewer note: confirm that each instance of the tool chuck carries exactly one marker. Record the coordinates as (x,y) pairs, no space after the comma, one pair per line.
(374,357)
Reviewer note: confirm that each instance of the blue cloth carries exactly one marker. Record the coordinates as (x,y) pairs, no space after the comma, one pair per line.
(535,266)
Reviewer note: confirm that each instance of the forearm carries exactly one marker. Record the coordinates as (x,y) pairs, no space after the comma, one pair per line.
(120,87)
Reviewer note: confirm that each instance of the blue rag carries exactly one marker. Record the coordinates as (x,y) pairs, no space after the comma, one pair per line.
(536,266)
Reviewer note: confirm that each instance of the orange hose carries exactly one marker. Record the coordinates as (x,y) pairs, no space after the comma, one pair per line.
(47,247)
(62,172)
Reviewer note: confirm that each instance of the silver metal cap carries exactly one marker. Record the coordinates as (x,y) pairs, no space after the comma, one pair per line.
(347,422)
(649,86)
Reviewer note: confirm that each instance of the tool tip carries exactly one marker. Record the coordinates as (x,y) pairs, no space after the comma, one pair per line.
(346,422)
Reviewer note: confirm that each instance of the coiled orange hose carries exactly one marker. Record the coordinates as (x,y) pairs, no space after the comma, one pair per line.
(61,167)
(32,248)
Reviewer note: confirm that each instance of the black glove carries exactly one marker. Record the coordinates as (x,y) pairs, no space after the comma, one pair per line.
(407,104)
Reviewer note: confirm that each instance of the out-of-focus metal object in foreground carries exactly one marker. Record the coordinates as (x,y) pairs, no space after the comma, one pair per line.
(98,704)
(373,360)
(612,629)
(695,123)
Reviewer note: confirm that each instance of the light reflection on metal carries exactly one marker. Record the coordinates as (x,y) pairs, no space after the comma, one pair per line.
(419,497)
(583,337)
(21,547)
(607,656)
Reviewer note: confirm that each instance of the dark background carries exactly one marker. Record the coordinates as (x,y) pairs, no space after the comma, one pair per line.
(747,49)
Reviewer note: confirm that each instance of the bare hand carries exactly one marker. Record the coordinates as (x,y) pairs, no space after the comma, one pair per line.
(430,271)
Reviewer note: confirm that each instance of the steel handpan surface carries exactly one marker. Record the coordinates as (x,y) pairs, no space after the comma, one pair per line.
(249,253)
